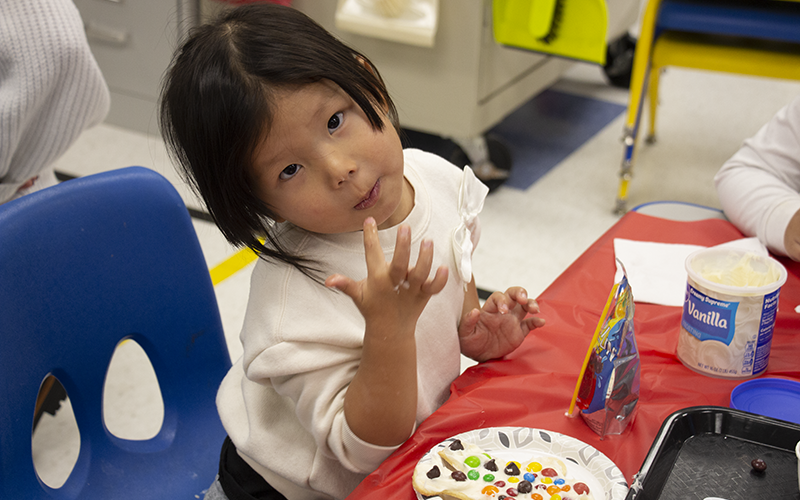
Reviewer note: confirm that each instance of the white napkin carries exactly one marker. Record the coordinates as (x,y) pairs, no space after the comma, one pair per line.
(657,272)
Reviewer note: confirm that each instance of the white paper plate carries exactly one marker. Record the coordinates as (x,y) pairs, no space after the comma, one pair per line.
(583,462)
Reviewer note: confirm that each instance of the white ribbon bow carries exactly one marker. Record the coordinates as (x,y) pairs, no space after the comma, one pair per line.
(470,203)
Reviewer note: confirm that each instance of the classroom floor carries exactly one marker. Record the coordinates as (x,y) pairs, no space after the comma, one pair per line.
(567,149)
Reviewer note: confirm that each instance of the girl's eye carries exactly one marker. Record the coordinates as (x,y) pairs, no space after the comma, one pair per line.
(335,122)
(289,172)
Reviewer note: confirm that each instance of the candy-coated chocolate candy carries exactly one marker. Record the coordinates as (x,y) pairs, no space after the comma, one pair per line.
(555,497)
(473,474)
(489,490)
(500,484)
(758,465)
(512,492)
(547,480)
(536,496)
(553,489)
(529,476)
(559,481)
(534,467)
(472,461)
(513,480)
(581,488)
(565,488)
(548,472)
(488,478)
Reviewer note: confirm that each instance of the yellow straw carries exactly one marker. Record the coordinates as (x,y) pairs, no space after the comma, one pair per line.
(591,347)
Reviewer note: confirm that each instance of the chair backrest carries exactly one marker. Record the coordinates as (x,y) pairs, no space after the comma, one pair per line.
(83,266)
(756,19)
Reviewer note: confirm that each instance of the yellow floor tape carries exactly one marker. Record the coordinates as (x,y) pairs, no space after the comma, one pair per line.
(232,265)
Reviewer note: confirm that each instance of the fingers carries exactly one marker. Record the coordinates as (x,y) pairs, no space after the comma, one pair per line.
(372,246)
(532,323)
(402,253)
(397,271)
(419,274)
(468,322)
(437,283)
(343,284)
(516,296)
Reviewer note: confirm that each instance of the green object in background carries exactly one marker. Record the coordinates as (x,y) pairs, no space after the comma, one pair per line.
(575,29)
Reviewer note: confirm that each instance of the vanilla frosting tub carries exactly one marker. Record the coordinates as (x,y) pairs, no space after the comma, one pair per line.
(729,312)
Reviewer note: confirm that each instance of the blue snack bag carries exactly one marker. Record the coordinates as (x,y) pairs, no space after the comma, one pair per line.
(608,386)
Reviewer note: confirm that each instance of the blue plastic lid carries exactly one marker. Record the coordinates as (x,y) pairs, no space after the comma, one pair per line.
(772,397)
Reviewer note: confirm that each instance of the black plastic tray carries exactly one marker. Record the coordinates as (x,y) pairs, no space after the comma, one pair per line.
(705,451)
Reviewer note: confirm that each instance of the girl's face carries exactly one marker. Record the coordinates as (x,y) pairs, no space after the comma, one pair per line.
(323,168)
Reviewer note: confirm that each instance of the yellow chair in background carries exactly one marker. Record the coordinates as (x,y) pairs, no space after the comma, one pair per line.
(749,37)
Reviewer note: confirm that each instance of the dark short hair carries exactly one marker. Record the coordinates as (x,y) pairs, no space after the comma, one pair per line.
(216,107)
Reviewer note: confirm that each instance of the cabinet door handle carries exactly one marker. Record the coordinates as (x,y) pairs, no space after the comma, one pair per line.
(105,34)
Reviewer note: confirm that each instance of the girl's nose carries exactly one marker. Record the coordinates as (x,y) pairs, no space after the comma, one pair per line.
(341,168)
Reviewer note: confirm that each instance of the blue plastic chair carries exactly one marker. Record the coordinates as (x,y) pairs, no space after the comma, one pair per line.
(679,210)
(83,266)
(747,37)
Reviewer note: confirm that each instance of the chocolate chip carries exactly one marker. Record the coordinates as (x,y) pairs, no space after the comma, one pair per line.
(491,465)
(434,472)
(459,476)
(511,469)
(456,445)
(758,465)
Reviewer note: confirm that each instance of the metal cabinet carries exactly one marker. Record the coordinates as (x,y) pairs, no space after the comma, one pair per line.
(133,42)
(466,82)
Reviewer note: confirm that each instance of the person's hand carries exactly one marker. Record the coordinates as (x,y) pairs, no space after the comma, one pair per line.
(791,239)
(392,291)
(499,326)
(380,404)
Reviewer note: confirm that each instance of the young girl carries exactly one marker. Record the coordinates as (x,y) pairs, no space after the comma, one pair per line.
(363,297)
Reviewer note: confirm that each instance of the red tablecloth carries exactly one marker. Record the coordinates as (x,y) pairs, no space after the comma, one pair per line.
(533,386)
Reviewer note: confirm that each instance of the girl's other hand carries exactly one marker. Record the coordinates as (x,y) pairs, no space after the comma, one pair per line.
(392,291)
(499,326)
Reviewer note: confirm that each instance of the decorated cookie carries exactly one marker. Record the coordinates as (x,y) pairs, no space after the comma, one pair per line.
(464,471)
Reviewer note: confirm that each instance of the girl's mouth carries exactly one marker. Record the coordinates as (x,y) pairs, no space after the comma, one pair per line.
(372,197)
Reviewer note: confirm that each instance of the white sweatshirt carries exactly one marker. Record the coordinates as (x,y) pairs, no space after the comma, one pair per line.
(759,186)
(282,403)
(51,88)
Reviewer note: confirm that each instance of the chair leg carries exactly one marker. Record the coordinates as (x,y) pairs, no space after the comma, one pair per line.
(626,172)
(49,399)
(652,94)
(639,82)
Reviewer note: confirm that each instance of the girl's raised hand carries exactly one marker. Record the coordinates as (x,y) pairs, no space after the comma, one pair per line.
(392,291)
(499,326)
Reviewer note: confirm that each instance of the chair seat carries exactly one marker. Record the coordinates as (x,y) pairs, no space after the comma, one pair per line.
(748,37)
(767,59)
(763,19)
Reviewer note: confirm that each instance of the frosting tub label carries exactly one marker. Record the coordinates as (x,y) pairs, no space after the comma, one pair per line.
(729,312)
(708,318)
(726,336)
